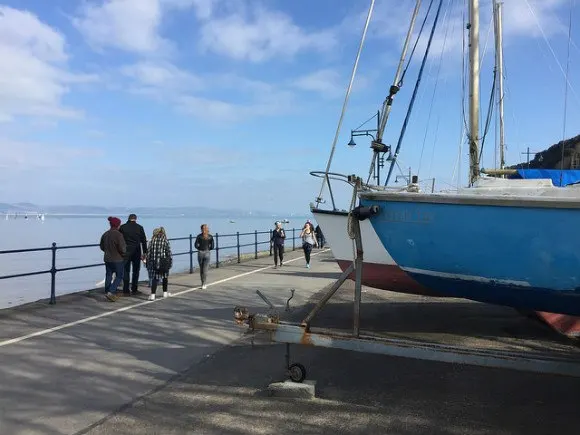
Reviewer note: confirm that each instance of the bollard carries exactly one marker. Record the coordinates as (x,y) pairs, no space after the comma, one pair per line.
(294,239)
(53,276)
(238,245)
(191,253)
(256,244)
(217,250)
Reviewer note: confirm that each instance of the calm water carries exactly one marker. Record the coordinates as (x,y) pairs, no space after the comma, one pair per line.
(32,233)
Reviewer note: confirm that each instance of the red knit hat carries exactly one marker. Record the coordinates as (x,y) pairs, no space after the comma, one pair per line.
(114,221)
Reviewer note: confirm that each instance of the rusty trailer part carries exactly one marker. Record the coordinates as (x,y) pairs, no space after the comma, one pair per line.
(522,361)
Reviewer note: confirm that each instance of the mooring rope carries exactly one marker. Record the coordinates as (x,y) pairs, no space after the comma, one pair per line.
(349,226)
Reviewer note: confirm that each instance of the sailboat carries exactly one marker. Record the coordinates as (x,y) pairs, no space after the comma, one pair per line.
(487,242)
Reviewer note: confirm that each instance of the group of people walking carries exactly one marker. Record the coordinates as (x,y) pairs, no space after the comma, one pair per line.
(310,236)
(125,247)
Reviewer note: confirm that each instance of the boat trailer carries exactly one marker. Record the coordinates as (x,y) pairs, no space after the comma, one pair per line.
(302,333)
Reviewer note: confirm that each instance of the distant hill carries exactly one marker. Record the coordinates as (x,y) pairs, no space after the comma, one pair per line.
(21,207)
(551,158)
(84,210)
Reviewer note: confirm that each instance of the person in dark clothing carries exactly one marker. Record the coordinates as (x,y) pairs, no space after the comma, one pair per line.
(114,248)
(277,241)
(319,236)
(204,245)
(136,241)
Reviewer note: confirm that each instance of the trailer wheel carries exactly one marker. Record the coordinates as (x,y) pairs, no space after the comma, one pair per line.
(297,372)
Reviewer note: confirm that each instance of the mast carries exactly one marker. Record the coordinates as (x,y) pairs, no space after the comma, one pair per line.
(473,134)
(395,87)
(388,103)
(497,18)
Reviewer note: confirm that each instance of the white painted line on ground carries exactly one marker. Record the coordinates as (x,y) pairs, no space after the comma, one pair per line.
(130,307)
(221,281)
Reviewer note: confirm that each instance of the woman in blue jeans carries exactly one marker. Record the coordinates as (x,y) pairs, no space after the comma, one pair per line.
(308,241)
(204,245)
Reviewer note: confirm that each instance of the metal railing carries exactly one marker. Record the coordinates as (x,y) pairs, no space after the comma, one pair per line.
(256,243)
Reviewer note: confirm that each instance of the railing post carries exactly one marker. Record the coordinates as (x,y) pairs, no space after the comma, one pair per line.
(294,239)
(53,275)
(271,234)
(255,243)
(238,244)
(217,250)
(191,253)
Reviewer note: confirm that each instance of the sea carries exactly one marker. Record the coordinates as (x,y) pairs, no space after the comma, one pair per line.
(19,233)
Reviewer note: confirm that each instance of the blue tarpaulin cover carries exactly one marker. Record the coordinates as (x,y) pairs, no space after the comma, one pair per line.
(559,177)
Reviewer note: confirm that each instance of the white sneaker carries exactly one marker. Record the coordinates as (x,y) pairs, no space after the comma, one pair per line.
(203,287)
(166,294)
(151,297)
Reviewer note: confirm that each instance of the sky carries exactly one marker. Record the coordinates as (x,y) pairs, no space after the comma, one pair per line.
(231,103)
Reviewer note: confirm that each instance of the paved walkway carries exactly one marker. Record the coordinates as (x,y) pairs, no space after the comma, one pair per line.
(180,366)
(64,367)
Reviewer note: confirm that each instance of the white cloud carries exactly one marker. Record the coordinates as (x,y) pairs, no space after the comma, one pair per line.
(212,97)
(203,8)
(133,25)
(206,108)
(260,34)
(391,20)
(325,81)
(163,76)
(208,155)
(130,25)
(525,17)
(231,81)
(238,30)
(19,156)
(33,71)
(221,111)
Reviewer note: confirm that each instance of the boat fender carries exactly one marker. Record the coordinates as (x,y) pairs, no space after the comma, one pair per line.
(362,213)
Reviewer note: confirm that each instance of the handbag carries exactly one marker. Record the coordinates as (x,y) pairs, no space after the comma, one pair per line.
(164,264)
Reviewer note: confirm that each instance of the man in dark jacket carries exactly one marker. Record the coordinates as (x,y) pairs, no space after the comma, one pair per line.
(113,246)
(136,241)
(277,241)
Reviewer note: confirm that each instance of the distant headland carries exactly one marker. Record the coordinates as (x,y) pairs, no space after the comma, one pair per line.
(24,208)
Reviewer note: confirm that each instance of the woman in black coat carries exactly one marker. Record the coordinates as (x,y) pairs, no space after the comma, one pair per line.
(158,261)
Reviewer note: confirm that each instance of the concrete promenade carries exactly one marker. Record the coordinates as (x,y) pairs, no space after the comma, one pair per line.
(181,366)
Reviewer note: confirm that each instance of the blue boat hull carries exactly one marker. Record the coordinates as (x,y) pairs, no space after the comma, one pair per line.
(522,257)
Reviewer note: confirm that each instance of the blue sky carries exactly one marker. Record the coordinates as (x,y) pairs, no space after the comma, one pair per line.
(230,103)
